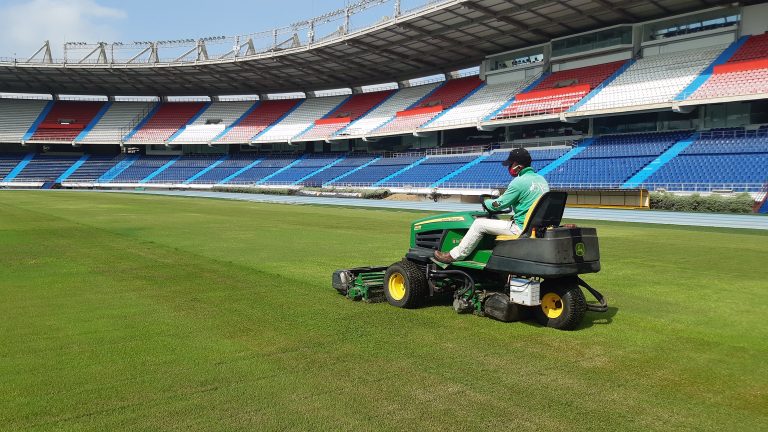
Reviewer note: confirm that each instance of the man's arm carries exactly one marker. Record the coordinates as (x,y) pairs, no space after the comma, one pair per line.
(510,198)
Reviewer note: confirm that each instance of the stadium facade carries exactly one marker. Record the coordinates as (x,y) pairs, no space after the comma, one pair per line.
(655,94)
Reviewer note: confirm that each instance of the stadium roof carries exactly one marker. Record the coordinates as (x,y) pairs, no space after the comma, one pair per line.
(442,37)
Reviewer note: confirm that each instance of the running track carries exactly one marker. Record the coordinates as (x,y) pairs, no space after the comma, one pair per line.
(639,216)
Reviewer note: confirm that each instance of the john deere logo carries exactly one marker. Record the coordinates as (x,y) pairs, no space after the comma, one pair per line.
(580,249)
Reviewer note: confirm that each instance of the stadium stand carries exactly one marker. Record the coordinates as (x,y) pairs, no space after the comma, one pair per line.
(17,117)
(745,73)
(612,159)
(212,123)
(430,171)
(116,122)
(443,98)
(490,173)
(355,107)
(263,115)
(401,100)
(756,47)
(228,167)
(161,124)
(301,119)
(8,162)
(723,158)
(266,168)
(304,168)
(45,168)
(66,120)
(142,168)
(377,171)
(94,168)
(653,79)
(346,165)
(559,91)
(183,169)
(483,102)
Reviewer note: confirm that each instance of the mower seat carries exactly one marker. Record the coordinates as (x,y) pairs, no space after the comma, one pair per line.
(546,212)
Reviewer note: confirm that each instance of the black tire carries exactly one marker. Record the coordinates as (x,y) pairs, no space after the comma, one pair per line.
(405,284)
(562,304)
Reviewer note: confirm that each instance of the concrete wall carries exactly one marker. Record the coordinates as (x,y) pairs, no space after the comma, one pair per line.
(754,19)
(688,44)
(582,62)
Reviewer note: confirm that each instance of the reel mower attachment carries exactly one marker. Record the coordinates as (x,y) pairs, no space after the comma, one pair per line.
(362,283)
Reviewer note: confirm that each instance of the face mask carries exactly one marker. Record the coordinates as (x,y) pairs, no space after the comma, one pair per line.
(514,170)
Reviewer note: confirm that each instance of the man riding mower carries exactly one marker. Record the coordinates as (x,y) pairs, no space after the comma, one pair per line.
(531,270)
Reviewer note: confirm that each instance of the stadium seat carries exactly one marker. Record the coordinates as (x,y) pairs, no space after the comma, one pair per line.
(66,120)
(444,97)
(654,79)
(611,160)
(46,168)
(215,119)
(559,91)
(166,121)
(142,168)
(354,108)
(301,119)
(17,117)
(400,101)
(119,119)
(8,162)
(490,173)
(482,103)
(266,113)
(94,168)
(268,166)
(745,73)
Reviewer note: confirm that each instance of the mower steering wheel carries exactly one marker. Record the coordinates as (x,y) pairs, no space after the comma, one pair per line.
(492,212)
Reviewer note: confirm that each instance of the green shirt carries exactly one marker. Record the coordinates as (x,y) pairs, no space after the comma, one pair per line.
(521,193)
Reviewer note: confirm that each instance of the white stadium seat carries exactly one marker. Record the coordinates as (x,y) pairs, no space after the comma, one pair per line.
(302,118)
(655,79)
(214,120)
(117,122)
(482,103)
(399,102)
(17,116)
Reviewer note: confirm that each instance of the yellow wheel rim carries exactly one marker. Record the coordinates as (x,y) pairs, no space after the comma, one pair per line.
(552,305)
(396,286)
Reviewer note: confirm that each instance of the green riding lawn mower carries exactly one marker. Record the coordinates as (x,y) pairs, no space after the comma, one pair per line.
(531,276)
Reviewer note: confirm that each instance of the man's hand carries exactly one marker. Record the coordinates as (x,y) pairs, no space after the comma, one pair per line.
(491,205)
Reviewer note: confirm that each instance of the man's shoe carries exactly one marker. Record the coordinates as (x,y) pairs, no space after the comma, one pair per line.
(444,257)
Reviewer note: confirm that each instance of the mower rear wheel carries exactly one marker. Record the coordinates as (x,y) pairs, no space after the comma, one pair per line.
(405,284)
(562,304)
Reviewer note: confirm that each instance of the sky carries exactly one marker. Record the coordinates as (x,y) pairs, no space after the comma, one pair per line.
(26,24)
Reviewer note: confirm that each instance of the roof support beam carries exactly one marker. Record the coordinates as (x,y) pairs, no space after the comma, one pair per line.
(583,14)
(506,19)
(439,37)
(391,54)
(617,9)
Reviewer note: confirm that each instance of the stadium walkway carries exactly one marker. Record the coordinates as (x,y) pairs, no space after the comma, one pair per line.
(639,216)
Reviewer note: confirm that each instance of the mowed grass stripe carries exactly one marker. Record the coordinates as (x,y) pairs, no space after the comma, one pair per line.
(148,313)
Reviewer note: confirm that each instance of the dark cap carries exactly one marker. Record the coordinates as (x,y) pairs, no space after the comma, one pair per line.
(519,155)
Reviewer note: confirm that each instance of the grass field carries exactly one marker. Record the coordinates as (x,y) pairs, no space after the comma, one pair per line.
(121,312)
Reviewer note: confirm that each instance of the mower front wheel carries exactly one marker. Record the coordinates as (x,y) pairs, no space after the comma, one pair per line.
(563,305)
(405,284)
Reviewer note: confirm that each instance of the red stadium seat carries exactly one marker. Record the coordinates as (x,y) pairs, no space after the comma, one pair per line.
(66,120)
